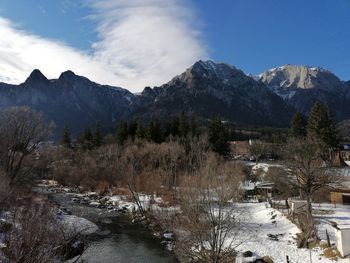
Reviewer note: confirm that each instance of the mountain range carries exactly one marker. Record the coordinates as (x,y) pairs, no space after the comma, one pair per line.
(204,90)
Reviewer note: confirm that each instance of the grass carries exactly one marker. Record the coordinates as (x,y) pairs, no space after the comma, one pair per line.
(331,253)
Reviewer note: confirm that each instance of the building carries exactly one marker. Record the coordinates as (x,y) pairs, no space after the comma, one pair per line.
(340,196)
(342,235)
(257,191)
(344,153)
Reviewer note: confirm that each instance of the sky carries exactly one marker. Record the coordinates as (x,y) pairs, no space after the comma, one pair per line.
(138,43)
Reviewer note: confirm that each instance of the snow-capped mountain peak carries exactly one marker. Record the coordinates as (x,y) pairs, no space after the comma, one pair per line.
(300,77)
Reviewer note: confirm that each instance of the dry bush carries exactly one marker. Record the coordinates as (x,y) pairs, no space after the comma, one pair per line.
(42,160)
(120,191)
(168,199)
(209,216)
(197,151)
(5,189)
(102,187)
(172,158)
(87,168)
(143,166)
(35,234)
(21,132)
(307,162)
(284,186)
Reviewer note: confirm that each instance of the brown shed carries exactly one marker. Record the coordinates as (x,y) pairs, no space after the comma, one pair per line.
(340,196)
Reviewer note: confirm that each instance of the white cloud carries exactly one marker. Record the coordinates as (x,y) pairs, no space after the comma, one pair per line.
(142,42)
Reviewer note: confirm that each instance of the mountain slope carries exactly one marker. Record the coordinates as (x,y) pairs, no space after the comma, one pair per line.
(302,86)
(209,89)
(69,100)
(204,90)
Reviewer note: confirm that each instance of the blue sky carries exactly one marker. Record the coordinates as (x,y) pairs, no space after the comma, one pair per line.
(259,34)
(134,43)
(58,19)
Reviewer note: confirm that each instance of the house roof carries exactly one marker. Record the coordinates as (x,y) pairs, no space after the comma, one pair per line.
(341,190)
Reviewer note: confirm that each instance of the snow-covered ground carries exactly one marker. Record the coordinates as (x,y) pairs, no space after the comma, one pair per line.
(330,213)
(264,230)
(267,232)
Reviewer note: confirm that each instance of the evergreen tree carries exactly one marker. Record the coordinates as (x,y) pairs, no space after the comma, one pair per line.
(193,130)
(132,129)
(321,126)
(154,131)
(218,137)
(122,132)
(87,140)
(298,126)
(97,137)
(174,127)
(183,125)
(66,141)
(140,131)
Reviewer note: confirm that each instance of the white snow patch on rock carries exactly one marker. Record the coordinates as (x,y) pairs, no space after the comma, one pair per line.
(74,224)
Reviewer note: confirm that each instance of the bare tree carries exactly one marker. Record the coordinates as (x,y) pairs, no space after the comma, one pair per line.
(284,181)
(209,216)
(35,235)
(197,150)
(171,154)
(21,131)
(258,149)
(306,161)
(135,163)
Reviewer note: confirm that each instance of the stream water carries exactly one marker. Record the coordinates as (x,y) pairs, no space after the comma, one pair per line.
(118,240)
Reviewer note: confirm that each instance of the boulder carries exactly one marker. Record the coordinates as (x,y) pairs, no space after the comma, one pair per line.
(267,259)
(73,225)
(247,254)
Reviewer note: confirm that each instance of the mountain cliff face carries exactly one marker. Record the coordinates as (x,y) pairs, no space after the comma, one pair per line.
(209,89)
(69,100)
(302,86)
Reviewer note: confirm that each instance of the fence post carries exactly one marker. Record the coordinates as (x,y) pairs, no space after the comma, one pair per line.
(328,240)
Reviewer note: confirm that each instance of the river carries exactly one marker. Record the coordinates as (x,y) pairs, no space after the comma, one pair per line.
(118,240)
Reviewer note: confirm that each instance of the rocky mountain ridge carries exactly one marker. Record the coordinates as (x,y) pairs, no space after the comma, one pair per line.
(69,100)
(204,90)
(302,86)
(209,89)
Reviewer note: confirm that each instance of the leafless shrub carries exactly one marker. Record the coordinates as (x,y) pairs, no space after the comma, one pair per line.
(21,131)
(5,189)
(35,234)
(284,182)
(306,159)
(209,216)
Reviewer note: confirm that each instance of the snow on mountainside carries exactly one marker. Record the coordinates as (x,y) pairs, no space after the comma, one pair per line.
(209,89)
(302,86)
(204,90)
(300,77)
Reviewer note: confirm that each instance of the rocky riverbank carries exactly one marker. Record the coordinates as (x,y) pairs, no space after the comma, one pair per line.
(114,205)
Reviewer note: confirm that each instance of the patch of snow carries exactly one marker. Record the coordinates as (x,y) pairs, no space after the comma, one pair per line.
(327,214)
(94,203)
(74,224)
(260,222)
(128,98)
(168,235)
